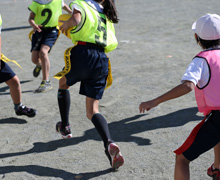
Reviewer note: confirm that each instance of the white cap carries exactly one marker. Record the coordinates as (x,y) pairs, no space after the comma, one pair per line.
(207,27)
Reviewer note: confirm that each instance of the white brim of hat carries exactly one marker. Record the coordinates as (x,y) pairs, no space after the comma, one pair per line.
(194,27)
(207,27)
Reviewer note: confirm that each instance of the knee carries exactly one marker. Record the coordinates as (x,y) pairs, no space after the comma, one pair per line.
(35,60)
(13,82)
(89,115)
(62,83)
(43,54)
(181,158)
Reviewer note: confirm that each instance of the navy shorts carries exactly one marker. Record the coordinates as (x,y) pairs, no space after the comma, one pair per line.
(207,137)
(6,72)
(47,36)
(89,65)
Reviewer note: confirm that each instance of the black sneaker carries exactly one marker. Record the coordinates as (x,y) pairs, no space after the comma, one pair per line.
(65,132)
(24,110)
(37,70)
(114,155)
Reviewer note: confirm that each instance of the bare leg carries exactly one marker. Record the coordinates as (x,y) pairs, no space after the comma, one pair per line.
(45,62)
(217,156)
(35,58)
(181,168)
(62,83)
(15,89)
(92,107)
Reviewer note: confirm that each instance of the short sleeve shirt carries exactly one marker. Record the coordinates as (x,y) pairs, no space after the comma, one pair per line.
(197,72)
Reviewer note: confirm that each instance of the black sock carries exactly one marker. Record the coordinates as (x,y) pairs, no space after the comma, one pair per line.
(102,127)
(16,106)
(64,106)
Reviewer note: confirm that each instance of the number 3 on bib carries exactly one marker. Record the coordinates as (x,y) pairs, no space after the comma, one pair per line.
(101,41)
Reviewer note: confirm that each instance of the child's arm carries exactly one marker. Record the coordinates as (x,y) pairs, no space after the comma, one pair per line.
(32,23)
(67,9)
(74,20)
(176,92)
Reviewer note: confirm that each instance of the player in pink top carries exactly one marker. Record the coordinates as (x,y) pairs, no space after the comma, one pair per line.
(203,75)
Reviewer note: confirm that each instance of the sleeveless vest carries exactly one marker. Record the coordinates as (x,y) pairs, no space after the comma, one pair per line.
(208,96)
(0,20)
(46,14)
(94,27)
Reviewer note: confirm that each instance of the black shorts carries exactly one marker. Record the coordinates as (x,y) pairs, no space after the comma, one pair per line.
(89,65)
(6,72)
(206,138)
(47,36)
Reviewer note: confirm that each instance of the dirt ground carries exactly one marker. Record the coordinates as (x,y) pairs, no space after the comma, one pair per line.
(156,45)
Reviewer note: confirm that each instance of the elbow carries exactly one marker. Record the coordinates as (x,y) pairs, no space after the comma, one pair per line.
(189,86)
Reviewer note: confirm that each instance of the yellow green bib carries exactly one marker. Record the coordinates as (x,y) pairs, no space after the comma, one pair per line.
(94,27)
(46,14)
(0,20)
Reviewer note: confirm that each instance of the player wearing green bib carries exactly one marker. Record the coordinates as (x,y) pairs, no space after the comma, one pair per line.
(94,27)
(0,20)
(8,76)
(44,20)
(93,34)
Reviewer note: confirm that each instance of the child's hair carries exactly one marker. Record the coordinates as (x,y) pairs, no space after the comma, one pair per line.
(110,10)
(205,44)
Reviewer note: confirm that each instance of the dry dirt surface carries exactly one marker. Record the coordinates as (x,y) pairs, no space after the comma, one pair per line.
(156,45)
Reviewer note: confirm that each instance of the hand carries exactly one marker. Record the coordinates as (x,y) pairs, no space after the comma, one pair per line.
(64,27)
(38,28)
(147,105)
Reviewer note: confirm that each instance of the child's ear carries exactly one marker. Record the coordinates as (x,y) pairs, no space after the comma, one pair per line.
(196,38)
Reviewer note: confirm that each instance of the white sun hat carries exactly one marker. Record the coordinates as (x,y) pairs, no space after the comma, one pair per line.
(207,27)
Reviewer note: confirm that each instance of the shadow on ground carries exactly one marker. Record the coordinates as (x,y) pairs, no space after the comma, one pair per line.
(50,172)
(121,131)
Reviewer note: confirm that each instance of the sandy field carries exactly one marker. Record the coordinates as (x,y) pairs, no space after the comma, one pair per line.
(156,45)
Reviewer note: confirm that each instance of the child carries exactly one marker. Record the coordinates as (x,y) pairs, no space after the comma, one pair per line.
(203,75)
(44,20)
(93,35)
(11,79)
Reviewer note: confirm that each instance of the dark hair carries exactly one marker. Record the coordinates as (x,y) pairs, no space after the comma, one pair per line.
(110,10)
(205,44)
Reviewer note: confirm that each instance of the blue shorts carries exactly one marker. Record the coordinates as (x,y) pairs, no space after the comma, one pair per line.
(47,36)
(207,137)
(6,73)
(89,65)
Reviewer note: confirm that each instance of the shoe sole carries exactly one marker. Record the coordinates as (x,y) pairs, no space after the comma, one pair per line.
(57,130)
(67,136)
(214,176)
(28,115)
(213,173)
(116,156)
(36,91)
(36,73)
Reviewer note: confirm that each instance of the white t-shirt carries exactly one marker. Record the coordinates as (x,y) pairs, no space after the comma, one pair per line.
(197,72)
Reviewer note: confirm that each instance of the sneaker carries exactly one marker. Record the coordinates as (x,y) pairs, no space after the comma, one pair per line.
(65,132)
(44,86)
(37,70)
(24,110)
(114,155)
(213,172)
